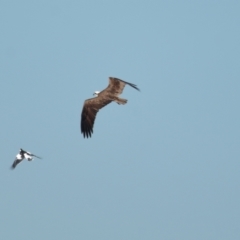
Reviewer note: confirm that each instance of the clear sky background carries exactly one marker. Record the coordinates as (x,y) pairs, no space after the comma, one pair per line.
(164,166)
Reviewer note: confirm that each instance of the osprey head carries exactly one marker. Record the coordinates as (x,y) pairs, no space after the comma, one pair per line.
(96,93)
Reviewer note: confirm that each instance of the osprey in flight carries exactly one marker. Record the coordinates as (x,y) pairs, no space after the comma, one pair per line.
(21,155)
(93,105)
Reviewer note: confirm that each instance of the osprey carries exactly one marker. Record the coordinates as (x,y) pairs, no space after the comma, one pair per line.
(93,105)
(21,155)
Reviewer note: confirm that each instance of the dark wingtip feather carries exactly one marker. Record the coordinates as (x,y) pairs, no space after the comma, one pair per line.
(13,166)
(86,126)
(87,133)
(85,130)
(134,86)
(128,83)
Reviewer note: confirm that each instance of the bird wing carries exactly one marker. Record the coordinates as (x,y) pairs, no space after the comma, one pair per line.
(35,156)
(116,86)
(30,154)
(90,108)
(16,162)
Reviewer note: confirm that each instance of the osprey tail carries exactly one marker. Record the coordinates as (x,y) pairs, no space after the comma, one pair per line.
(120,101)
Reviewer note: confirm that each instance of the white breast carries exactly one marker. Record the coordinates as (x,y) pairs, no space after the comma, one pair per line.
(19,156)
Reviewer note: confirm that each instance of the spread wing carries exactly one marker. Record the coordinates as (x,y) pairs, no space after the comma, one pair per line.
(32,155)
(35,156)
(116,86)
(90,108)
(16,162)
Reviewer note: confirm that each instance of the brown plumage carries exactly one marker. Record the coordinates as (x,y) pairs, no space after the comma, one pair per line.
(93,105)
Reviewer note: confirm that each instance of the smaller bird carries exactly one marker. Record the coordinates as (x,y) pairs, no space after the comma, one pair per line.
(21,155)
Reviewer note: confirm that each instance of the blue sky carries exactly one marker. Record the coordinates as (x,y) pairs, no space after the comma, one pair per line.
(164,166)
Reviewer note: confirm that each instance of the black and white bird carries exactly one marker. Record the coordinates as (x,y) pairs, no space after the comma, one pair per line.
(93,105)
(21,156)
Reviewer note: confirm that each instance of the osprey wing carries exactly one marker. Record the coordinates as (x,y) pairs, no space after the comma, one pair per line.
(35,156)
(22,152)
(16,162)
(117,85)
(90,108)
